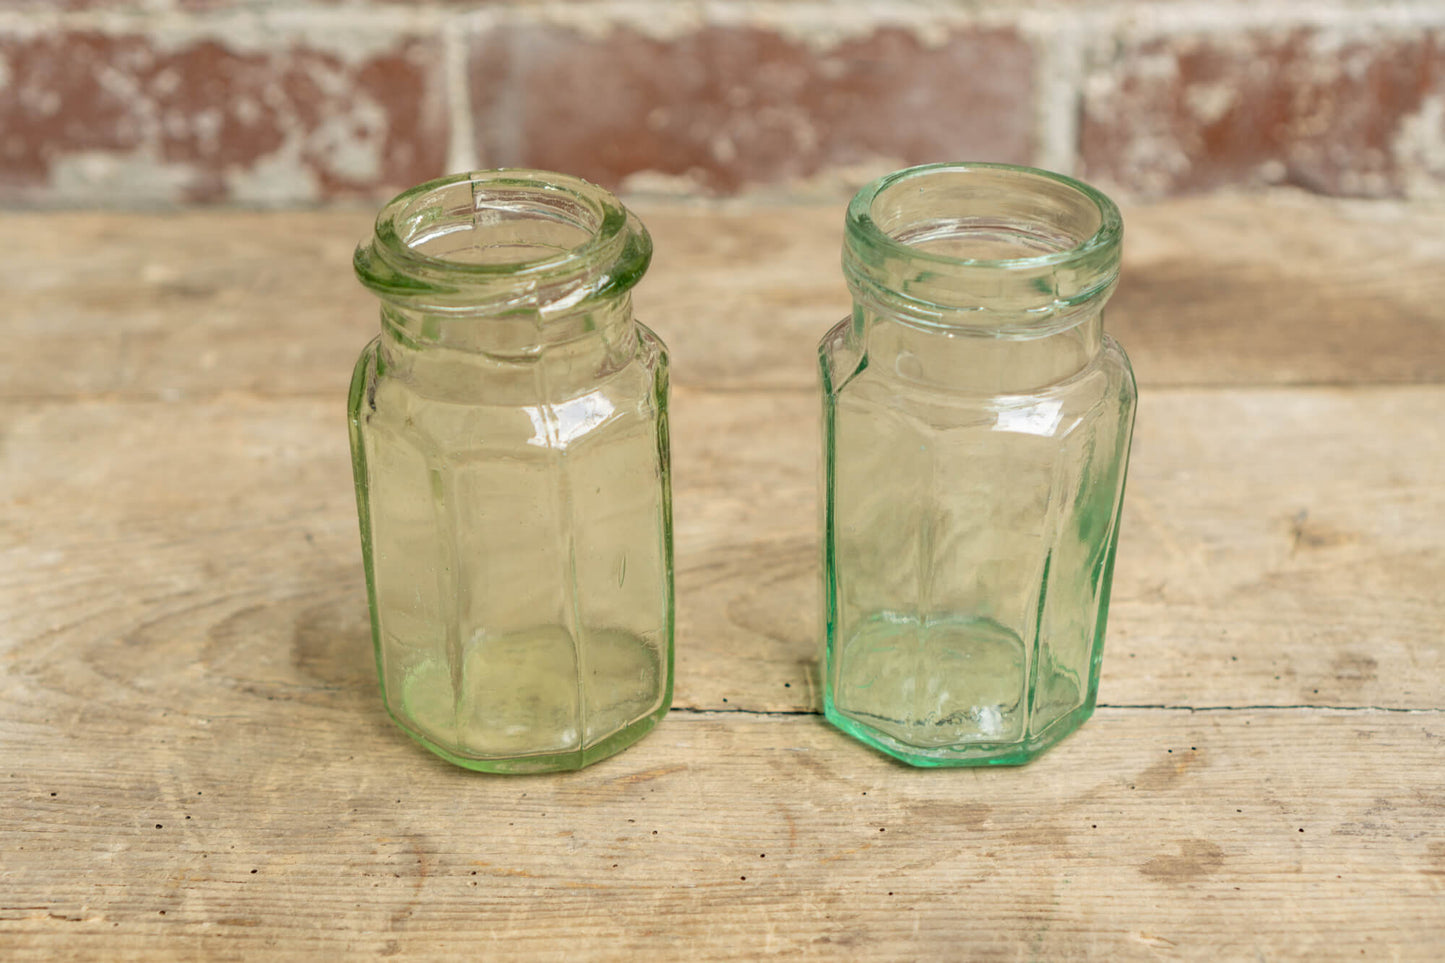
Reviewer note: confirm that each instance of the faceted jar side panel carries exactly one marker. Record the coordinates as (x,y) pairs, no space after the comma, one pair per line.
(962,547)
(404,582)
(883,518)
(514,663)
(1075,604)
(940,514)
(615,474)
(468,528)
(515,532)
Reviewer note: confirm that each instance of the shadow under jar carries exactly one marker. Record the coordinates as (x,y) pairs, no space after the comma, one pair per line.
(977,423)
(509,438)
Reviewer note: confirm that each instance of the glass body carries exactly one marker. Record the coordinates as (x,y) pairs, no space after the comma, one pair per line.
(976,433)
(509,438)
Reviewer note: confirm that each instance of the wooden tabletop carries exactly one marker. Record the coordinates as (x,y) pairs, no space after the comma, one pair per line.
(195,763)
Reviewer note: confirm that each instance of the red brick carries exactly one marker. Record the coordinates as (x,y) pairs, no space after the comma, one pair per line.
(730,107)
(204,114)
(66,4)
(1337,115)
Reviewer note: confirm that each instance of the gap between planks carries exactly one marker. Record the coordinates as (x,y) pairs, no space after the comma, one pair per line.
(1111,706)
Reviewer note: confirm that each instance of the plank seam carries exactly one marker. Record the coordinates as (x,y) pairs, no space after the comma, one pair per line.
(1156,707)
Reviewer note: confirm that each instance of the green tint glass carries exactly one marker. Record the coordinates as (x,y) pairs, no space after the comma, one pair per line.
(509,438)
(977,423)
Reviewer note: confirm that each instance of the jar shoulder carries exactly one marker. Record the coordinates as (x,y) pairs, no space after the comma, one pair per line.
(851,378)
(472,405)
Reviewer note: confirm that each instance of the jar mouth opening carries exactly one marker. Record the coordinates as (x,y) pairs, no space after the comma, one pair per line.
(483,236)
(990,249)
(984,216)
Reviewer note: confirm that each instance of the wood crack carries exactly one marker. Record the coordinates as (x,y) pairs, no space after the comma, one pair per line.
(1155,707)
(1272,707)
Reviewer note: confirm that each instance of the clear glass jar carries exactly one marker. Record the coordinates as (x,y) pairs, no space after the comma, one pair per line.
(509,438)
(976,433)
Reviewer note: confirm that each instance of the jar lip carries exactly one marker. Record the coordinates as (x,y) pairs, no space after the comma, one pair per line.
(908,236)
(862,228)
(610,259)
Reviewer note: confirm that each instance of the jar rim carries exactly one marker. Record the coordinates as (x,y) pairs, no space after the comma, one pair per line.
(894,227)
(610,259)
(862,227)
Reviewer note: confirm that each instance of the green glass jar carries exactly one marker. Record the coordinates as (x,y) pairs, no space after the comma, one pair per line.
(976,433)
(509,437)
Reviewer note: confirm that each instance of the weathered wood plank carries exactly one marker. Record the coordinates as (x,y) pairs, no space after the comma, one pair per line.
(181,305)
(194,762)
(1279,547)
(1284,289)
(307,825)
(1281,289)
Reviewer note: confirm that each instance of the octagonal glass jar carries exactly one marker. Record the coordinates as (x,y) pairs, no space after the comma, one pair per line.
(977,423)
(510,445)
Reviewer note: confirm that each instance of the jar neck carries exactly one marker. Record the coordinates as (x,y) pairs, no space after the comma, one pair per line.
(981,276)
(974,363)
(506,263)
(508,360)
(521,335)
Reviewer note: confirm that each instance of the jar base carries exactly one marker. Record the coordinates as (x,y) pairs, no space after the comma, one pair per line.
(565,761)
(973,754)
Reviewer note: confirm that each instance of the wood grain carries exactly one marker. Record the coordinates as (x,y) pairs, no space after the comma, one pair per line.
(1269,290)
(1278,548)
(183,305)
(1282,291)
(720,836)
(1293,562)
(194,761)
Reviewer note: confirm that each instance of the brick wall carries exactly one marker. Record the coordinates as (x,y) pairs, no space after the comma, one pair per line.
(160,102)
